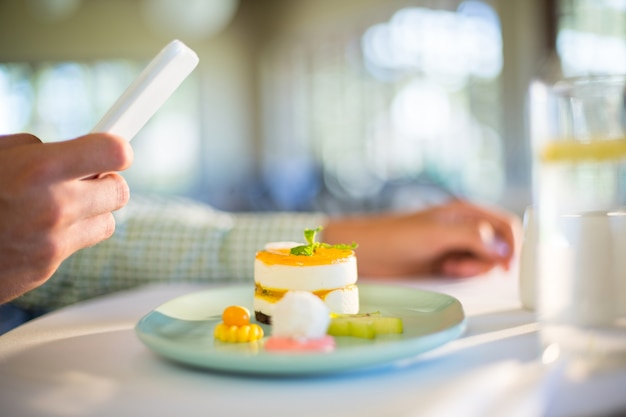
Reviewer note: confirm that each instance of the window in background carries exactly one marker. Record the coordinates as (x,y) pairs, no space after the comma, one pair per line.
(356,119)
(63,100)
(360,120)
(591,36)
(16,98)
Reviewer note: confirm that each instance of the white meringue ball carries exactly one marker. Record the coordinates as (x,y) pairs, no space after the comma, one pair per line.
(300,315)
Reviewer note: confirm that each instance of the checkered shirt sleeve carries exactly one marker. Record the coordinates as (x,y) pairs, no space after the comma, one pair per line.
(168,240)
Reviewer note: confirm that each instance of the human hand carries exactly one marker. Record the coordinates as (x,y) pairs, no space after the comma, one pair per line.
(55,200)
(456,239)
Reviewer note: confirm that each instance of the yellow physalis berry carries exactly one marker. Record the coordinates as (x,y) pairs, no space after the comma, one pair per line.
(256,332)
(236,316)
(236,326)
(243,333)
(238,334)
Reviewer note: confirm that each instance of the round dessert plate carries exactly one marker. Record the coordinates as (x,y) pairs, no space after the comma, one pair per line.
(182,330)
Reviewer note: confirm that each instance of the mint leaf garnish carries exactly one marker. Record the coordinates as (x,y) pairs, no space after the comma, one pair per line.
(304,250)
(312,245)
(309,235)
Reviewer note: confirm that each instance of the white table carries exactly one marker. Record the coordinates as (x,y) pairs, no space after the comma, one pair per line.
(85,360)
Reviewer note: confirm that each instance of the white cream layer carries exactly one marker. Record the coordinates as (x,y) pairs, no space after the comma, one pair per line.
(307,278)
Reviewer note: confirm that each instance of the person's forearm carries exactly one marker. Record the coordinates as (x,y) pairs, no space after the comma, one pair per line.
(166,240)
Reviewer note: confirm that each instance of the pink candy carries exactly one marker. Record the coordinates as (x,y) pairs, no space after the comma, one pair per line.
(281,344)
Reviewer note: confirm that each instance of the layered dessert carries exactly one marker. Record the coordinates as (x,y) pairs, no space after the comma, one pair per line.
(327,271)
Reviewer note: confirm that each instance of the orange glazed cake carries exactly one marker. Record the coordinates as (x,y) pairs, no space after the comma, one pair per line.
(329,272)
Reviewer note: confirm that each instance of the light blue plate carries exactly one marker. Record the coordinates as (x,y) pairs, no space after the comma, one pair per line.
(182,330)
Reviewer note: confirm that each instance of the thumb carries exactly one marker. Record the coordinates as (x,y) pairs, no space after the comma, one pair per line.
(493,244)
(8,141)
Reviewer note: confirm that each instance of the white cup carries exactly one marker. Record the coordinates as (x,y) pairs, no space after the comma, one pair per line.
(578,281)
(581,286)
(592,256)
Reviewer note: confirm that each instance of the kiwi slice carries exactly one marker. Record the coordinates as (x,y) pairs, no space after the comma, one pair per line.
(367,325)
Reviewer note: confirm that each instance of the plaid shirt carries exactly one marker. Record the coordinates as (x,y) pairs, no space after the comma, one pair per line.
(168,240)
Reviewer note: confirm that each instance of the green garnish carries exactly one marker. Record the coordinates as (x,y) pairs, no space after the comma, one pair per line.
(311,246)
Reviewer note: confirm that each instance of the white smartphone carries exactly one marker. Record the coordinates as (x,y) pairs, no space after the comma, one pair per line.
(149,91)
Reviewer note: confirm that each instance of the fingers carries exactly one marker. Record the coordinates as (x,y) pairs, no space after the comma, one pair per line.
(466,247)
(80,217)
(495,248)
(90,231)
(83,157)
(497,230)
(47,251)
(34,258)
(474,251)
(105,193)
(60,205)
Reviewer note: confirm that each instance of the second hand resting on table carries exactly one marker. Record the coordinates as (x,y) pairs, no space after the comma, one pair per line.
(53,203)
(456,239)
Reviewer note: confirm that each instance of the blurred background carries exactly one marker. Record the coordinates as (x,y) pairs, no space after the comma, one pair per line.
(351,105)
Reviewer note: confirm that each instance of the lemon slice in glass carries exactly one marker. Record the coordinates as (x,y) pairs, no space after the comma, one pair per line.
(575,151)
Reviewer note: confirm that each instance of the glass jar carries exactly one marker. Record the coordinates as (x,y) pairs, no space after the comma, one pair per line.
(578,138)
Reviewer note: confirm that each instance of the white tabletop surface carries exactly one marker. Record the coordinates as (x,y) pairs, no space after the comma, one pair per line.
(86,360)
